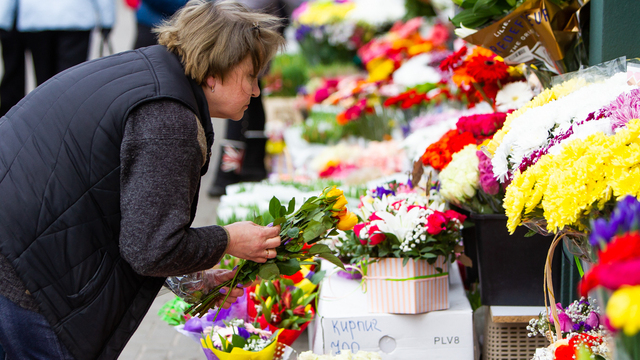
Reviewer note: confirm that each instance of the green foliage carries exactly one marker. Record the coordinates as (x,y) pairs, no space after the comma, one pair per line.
(417,8)
(287,74)
(322,128)
(477,13)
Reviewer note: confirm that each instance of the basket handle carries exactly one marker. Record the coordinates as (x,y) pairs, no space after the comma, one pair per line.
(548,287)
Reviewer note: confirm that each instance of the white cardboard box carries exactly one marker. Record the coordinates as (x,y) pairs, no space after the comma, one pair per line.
(343,323)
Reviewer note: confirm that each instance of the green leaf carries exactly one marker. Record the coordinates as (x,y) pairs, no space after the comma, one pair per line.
(238,341)
(269,271)
(283,211)
(225,347)
(317,277)
(293,232)
(288,267)
(293,246)
(308,299)
(333,232)
(274,207)
(405,261)
(270,288)
(279,221)
(292,206)
(314,230)
(332,259)
(483,4)
(319,248)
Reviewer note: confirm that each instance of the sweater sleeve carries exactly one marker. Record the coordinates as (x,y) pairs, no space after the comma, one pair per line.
(159,176)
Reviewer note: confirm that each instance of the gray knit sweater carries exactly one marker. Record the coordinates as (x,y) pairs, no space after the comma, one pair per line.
(161,158)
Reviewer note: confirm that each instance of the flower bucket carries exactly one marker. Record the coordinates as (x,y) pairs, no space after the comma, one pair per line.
(511,267)
(415,288)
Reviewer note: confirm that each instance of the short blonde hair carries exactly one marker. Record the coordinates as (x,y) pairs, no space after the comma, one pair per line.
(212,37)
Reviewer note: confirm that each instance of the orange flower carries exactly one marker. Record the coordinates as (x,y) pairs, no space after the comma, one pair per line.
(340,203)
(347,221)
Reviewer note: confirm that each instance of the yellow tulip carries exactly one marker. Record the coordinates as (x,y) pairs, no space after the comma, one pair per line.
(623,309)
(347,221)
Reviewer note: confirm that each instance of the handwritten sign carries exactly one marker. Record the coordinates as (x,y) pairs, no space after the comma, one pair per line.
(365,333)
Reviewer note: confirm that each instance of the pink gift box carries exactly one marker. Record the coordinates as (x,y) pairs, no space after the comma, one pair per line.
(412,289)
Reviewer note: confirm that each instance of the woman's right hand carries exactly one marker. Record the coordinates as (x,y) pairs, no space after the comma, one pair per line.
(251,241)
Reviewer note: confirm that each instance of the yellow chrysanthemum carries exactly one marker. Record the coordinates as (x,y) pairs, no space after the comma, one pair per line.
(583,176)
(623,309)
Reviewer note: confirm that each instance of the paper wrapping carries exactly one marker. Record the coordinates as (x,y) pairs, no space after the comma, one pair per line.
(391,289)
(212,353)
(538,32)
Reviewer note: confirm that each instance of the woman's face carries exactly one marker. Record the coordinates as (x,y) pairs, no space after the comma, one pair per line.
(230,98)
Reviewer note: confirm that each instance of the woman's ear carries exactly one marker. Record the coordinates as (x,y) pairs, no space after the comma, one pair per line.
(211,83)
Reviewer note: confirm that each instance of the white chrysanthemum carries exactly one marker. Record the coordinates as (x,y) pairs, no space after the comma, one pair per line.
(367,355)
(513,96)
(534,129)
(584,130)
(416,71)
(307,355)
(460,179)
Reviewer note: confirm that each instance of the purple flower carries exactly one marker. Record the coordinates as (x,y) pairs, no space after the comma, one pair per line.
(310,274)
(593,320)
(565,322)
(195,325)
(243,332)
(624,108)
(487,182)
(624,218)
(380,191)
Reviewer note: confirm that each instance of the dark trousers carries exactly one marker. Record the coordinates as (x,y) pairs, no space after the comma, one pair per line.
(56,51)
(243,149)
(25,334)
(52,52)
(12,86)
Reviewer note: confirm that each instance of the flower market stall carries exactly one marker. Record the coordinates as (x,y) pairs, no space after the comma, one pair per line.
(447,173)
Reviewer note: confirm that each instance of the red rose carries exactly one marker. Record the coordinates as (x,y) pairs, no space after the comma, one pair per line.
(436,223)
(375,235)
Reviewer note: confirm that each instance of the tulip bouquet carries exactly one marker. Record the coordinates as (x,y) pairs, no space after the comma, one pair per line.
(405,222)
(280,304)
(301,230)
(617,274)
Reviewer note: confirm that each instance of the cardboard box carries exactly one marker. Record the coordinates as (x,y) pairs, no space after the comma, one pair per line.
(343,323)
(415,288)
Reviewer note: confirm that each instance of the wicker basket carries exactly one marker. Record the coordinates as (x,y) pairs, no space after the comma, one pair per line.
(509,341)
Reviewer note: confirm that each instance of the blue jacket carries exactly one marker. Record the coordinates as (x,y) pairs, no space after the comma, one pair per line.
(42,15)
(152,12)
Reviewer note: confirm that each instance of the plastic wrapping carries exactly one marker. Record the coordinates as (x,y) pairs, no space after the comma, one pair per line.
(190,287)
(576,242)
(594,73)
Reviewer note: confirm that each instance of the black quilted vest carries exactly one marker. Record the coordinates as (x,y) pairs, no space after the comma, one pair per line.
(60,194)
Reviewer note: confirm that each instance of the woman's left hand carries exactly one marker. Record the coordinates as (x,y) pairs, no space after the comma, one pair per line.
(214,277)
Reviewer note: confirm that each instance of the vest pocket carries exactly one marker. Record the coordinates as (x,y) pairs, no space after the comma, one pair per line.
(97,281)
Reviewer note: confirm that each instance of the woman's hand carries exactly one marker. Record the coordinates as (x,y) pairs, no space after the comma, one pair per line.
(214,277)
(253,242)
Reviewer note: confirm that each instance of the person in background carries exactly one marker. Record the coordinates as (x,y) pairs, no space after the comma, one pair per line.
(12,85)
(57,34)
(99,183)
(151,13)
